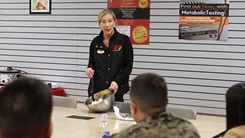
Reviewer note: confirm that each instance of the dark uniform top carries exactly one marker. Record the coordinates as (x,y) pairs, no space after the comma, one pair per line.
(112,63)
(161,125)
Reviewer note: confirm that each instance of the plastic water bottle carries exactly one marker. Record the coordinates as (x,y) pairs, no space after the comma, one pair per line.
(104,128)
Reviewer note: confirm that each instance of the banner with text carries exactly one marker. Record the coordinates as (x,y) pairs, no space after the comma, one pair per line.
(133,18)
(206,20)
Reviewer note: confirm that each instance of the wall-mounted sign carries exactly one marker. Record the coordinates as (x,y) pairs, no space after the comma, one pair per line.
(133,18)
(206,20)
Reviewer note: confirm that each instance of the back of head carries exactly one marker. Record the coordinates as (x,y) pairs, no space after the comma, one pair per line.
(25,108)
(235,105)
(149,92)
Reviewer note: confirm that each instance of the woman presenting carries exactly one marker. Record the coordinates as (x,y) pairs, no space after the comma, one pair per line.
(110,58)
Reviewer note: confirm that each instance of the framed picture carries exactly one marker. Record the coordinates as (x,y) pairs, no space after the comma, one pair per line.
(40,6)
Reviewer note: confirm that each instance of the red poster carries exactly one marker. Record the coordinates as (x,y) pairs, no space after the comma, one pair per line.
(133,18)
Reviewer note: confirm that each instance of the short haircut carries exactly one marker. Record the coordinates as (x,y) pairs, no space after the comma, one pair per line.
(235,105)
(104,12)
(25,108)
(149,91)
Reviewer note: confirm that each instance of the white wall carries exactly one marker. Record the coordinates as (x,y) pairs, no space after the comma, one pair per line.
(55,48)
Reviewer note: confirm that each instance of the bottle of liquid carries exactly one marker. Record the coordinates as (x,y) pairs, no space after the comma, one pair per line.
(103,127)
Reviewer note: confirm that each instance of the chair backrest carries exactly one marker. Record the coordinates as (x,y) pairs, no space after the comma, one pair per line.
(64,101)
(184,112)
(124,107)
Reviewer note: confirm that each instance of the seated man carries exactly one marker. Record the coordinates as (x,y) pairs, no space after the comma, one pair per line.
(235,111)
(25,109)
(148,101)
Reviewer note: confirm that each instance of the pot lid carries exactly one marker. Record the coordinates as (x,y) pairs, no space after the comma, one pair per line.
(10,70)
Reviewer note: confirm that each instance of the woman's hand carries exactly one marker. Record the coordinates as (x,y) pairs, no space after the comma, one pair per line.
(114,86)
(90,72)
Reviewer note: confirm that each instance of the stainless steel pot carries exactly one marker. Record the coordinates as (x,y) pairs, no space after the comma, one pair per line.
(102,101)
(9,75)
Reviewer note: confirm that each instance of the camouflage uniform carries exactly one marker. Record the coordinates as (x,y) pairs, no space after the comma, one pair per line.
(161,125)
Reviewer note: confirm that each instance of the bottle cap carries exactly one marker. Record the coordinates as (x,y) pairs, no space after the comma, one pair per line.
(104,117)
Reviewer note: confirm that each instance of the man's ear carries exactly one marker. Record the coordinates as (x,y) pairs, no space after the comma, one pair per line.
(49,130)
(133,107)
(166,102)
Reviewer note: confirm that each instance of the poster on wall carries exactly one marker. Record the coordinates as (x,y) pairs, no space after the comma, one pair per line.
(40,6)
(203,19)
(133,18)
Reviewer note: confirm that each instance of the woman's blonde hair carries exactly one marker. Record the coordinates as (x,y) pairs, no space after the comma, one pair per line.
(104,12)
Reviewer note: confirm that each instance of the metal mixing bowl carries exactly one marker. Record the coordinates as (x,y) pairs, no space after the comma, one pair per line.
(102,101)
